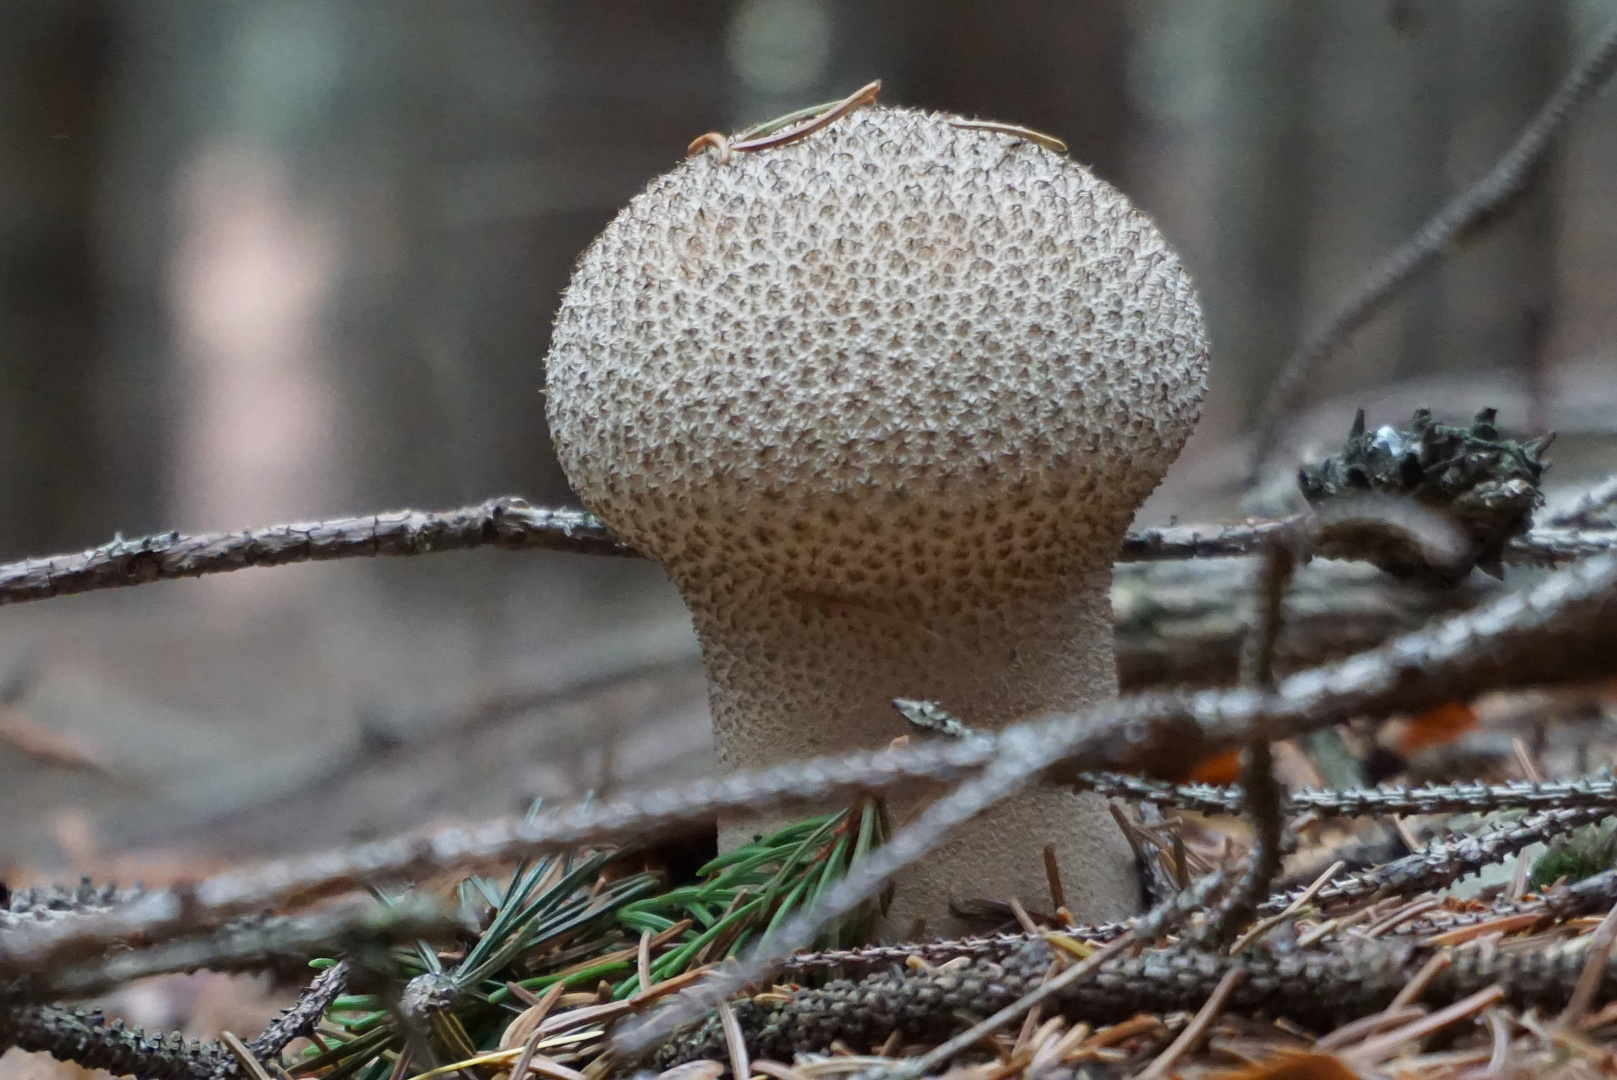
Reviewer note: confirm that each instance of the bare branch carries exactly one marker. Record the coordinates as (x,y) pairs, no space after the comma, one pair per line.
(509,522)
(1262,797)
(1475,207)
(1591,510)
(1465,797)
(1181,623)
(253,944)
(504,522)
(1022,754)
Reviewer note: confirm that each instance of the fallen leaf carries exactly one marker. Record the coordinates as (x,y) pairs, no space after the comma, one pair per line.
(1435,727)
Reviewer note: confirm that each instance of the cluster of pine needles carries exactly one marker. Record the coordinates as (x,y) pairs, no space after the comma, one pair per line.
(571,943)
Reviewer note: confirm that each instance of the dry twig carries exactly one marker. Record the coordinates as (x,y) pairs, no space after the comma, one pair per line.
(509,522)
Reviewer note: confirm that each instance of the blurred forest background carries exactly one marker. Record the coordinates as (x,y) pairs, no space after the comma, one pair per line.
(288,259)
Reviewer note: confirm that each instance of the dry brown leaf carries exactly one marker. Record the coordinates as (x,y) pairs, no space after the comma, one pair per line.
(1292,1065)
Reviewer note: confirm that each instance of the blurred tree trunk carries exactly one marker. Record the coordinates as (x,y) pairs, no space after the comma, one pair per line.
(1415,99)
(53,73)
(1379,81)
(497,143)
(1505,59)
(1221,159)
(1585,318)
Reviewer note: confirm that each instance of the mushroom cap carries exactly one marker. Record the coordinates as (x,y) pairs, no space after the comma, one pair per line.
(939,344)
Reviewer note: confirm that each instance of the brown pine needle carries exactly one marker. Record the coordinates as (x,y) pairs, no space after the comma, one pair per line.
(522,993)
(1365,1026)
(740,1067)
(1501,1042)
(1417,985)
(551,1068)
(1023,918)
(1263,926)
(1024,1037)
(249,1063)
(1161,1067)
(1506,924)
(1052,873)
(1583,995)
(1067,1044)
(1375,1049)
(1403,915)
(776,1070)
(931,1061)
(1123,1031)
(865,95)
(528,1023)
(1049,142)
(668,986)
(643,960)
(519,1071)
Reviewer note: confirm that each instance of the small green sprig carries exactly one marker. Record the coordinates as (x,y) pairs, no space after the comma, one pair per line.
(579,922)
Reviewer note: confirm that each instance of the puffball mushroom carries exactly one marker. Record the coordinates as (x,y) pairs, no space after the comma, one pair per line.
(883,401)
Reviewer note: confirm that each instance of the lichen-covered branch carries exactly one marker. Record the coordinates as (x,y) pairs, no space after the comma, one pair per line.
(1592,895)
(1592,509)
(1198,541)
(509,522)
(1443,862)
(1553,546)
(1319,988)
(87,1039)
(53,903)
(1463,797)
(504,522)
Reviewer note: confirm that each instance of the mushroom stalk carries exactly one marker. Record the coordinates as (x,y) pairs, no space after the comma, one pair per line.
(794,675)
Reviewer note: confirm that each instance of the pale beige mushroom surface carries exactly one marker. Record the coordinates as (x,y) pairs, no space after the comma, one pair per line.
(883,401)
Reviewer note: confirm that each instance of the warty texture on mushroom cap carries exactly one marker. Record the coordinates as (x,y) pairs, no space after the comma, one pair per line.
(892,307)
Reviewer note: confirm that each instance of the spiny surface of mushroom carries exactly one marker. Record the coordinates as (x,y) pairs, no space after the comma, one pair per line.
(883,401)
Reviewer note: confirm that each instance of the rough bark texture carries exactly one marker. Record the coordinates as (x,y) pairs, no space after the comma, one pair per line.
(1317,988)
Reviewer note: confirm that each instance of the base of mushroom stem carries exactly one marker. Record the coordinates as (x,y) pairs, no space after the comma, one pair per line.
(995,857)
